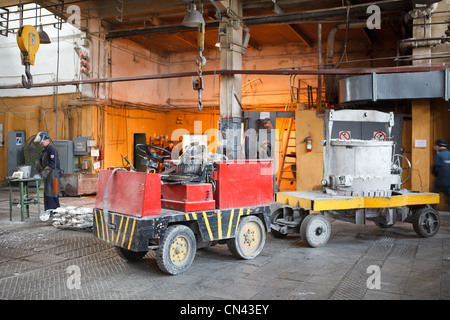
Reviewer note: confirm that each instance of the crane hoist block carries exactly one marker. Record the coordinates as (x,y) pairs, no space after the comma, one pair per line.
(28,42)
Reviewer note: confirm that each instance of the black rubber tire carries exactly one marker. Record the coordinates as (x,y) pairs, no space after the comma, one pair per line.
(315,230)
(177,250)
(426,222)
(250,238)
(130,255)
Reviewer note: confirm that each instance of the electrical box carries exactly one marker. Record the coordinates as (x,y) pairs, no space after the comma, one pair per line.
(65,151)
(80,147)
(16,144)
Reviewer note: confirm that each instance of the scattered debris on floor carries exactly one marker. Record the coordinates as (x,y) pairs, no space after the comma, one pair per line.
(73,218)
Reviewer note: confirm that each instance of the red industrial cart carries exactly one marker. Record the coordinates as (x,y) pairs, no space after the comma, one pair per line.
(177,213)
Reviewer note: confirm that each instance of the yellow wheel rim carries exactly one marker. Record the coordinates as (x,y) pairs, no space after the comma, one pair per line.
(250,238)
(179,250)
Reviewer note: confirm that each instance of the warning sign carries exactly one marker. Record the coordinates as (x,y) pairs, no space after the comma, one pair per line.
(345,135)
(379,136)
(19,139)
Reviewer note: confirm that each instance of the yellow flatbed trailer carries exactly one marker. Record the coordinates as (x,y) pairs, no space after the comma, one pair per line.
(305,212)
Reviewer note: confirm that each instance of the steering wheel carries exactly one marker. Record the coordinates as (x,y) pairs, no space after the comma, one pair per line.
(147,149)
(397,165)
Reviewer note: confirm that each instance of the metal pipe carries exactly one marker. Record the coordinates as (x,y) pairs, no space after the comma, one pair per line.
(426,12)
(283,72)
(319,77)
(423,58)
(332,35)
(422,42)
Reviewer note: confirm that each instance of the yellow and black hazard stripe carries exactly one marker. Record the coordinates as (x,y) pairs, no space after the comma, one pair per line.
(120,231)
(223,224)
(134,233)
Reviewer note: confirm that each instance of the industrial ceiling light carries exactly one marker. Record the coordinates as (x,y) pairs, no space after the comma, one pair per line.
(43,36)
(193,18)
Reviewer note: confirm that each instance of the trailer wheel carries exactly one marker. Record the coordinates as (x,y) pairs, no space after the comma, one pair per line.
(250,238)
(426,222)
(315,230)
(177,250)
(130,255)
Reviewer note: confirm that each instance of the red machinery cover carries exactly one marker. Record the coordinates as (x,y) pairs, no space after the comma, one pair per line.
(187,197)
(242,183)
(130,193)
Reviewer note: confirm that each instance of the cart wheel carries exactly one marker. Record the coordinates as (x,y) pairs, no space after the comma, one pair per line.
(249,240)
(177,249)
(278,213)
(130,255)
(426,222)
(315,230)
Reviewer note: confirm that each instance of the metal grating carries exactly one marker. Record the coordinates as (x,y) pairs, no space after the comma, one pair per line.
(353,285)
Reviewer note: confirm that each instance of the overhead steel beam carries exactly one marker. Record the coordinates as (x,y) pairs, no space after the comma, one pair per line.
(295,17)
(298,32)
(164,29)
(287,4)
(284,72)
(131,7)
(8,3)
(283,18)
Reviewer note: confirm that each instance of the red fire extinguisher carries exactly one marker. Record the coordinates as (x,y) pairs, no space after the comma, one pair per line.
(309,144)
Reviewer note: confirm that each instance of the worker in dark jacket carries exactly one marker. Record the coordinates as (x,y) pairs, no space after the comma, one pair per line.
(49,167)
(441,168)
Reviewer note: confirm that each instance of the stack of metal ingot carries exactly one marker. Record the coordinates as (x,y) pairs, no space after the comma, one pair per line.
(73,218)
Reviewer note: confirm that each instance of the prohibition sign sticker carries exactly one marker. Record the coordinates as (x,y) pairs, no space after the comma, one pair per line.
(379,135)
(344,135)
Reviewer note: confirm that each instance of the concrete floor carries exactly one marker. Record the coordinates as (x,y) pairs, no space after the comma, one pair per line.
(38,261)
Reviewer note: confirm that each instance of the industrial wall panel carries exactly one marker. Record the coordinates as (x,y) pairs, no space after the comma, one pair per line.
(65,152)
(16,143)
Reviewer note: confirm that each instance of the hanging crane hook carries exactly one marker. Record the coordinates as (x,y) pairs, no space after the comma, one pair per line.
(197,84)
(201,61)
(27,81)
(200,104)
(28,42)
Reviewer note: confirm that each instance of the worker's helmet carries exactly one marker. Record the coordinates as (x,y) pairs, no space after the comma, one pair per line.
(41,136)
(441,143)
